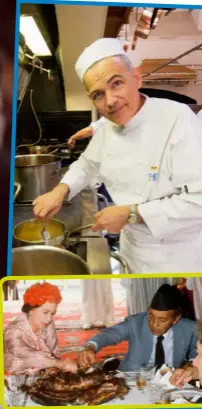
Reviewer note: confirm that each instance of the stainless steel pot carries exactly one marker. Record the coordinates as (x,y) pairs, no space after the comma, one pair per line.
(46,260)
(37,174)
(40,150)
(28,233)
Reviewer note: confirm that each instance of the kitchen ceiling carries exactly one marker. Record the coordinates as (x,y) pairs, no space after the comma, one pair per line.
(69,29)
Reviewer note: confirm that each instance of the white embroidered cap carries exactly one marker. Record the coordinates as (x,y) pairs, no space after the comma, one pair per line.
(100,49)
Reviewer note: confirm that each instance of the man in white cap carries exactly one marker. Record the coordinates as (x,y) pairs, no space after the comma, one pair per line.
(148,154)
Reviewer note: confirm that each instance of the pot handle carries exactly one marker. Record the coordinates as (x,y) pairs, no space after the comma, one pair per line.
(68,233)
(18,189)
(100,196)
(122,261)
(97,186)
(87,226)
(59,170)
(54,151)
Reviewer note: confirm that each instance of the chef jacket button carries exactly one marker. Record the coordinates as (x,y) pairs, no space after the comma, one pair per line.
(139,162)
(138,192)
(162,240)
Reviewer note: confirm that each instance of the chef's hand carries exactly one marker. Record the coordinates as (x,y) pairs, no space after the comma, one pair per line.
(183,375)
(68,365)
(112,219)
(71,142)
(49,204)
(87,357)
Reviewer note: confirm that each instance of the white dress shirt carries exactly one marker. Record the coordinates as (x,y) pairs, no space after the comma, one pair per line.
(167,346)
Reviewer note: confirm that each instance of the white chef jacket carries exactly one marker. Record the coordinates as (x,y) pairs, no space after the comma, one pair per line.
(98,124)
(152,162)
(200,114)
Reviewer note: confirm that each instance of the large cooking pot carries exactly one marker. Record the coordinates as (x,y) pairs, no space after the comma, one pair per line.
(37,174)
(29,232)
(40,150)
(46,260)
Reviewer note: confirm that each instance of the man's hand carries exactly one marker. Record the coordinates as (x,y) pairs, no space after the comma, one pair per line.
(183,375)
(71,142)
(87,357)
(49,204)
(68,365)
(113,219)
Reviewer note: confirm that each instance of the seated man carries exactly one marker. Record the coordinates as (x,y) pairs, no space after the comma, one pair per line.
(189,373)
(158,336)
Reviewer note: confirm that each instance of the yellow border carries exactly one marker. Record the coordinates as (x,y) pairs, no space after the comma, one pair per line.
(81,277)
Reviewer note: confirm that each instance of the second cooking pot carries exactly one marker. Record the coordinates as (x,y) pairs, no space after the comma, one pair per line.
(40,150)
(37,174)
(29,232)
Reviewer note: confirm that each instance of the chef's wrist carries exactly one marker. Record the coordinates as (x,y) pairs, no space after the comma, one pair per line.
(61,190)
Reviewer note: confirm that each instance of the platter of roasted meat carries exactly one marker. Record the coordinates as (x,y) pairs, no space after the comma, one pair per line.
(55,388)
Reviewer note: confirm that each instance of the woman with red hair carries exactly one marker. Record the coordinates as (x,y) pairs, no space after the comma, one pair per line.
(30,342)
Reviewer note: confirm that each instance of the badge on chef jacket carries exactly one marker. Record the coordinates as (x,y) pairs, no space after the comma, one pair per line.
(153,174)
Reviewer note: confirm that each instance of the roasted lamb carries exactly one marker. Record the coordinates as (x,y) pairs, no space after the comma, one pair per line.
(61,388)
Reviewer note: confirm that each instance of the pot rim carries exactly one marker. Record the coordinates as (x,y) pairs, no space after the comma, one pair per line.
(57,160)
(42,241)
(53,249)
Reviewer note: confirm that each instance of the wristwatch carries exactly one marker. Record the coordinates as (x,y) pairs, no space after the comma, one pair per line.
(133,215)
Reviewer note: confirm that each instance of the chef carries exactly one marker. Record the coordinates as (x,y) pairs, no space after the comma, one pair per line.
(148,154)
(159,336)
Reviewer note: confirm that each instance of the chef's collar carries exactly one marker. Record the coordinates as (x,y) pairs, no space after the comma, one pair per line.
(140,117)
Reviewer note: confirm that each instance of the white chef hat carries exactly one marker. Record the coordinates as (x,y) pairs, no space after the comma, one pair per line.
(100,49)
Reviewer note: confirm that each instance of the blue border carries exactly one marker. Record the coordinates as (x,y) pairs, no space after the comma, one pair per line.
(104,3)
(13,140)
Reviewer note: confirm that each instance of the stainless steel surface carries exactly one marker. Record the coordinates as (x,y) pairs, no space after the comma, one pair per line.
(36,175)
(46,260)
(187,393)
(97,255)
(121,261)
